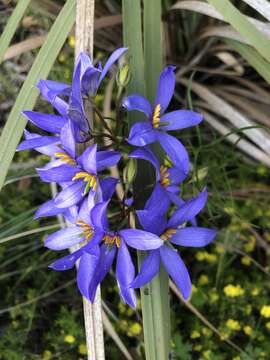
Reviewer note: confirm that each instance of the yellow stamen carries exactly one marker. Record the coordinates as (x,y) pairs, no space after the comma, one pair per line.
(164,176)
(110,240)
(91,179)
(168,234)
(65,158)
(87,230)
(156,116)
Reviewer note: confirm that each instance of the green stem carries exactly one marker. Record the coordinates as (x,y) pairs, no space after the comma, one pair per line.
(155,295)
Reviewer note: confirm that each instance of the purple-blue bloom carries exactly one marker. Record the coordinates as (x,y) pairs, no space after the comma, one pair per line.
(85,82)
(171,231)
(92,227)
(158,122)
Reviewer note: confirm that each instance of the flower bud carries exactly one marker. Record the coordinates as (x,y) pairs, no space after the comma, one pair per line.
(123,76)
(130,171)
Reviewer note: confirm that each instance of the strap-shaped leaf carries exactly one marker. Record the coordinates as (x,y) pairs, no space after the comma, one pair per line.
(12,25)
(253,58)
(27,96)
(240,22)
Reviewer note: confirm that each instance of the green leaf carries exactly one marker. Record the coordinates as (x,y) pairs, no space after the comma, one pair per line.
(12,25)
(243,26)
(28,94)
(253,58)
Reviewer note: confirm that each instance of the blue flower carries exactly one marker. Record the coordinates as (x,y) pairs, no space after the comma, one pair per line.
(171,231)
(95,260)
(158,123)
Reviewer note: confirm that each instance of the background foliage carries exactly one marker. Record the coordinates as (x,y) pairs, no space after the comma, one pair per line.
(220,72)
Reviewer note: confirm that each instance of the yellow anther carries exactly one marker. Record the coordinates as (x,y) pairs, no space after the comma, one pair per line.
(110,240)
(168,234)
(91,179)
(164,176)
(87,229)
(156,116)
(65,158)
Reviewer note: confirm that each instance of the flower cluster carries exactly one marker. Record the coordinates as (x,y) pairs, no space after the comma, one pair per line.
(86,191)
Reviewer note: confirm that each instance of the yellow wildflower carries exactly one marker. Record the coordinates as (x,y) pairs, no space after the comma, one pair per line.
(262,354)
(195,334)
(233,290)
(233,325)
(46,355)
(61,57)
(70,339)
(220,249)
(261,170)
(82,349)
(247,330)
(250,246)
(194,289)
(214,296)
(268,325)
(71,41)
(248,309)
(206,256)
(206,331)
(245,260)
(134,329)
(236,358)
(265,311)
(197,347)
(255,292)
(229,210)
(207,354)
(203,280)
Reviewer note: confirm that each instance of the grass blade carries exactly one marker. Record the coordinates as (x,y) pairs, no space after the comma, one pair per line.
(28,94)
(253,58)
(243,26)
(12,25)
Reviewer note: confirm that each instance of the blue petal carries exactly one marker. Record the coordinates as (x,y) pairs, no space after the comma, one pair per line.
(71,195)
(38,142)
(108,186)
(89,159)
(148,270)
(104,264)
(151,221)
(158,202)
(47,122)
(50,89)
(188,211)
(148,155)
(175,150)
(142,133)
(165,88)
(180,119)
(107,159)
(49,150)
(193,236)
(125,273)
(48,209)
(86,270)
(176,175)
(68,139)
(112,59)
(99,216)
(177,270)
(58,174)
(66,262)
(140,240)
(64,238)
(90,81)
(139,103)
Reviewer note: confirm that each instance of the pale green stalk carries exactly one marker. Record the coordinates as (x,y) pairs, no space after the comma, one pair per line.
(154,296)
